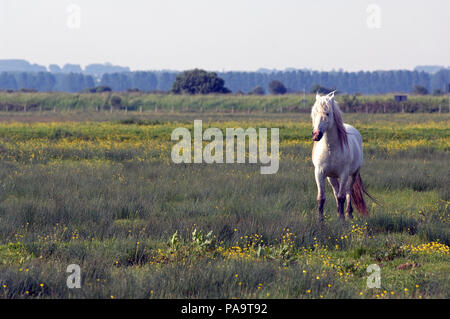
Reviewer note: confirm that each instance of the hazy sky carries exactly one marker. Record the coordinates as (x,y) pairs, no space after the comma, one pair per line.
(228,34)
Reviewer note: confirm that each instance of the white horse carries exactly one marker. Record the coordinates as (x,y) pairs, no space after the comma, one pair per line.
(337,155)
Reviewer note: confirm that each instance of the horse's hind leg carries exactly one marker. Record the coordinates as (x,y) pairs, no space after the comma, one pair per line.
(348,195)
(349,209)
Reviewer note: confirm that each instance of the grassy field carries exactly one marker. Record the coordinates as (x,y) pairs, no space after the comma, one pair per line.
(288,103)
(99,190)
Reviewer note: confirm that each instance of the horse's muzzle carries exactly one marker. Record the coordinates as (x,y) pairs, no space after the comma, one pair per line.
(317,135)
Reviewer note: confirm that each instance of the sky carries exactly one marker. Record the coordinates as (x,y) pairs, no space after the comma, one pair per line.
(228,35)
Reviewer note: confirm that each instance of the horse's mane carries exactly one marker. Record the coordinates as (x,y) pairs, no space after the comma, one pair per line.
(341,131)
(330,103)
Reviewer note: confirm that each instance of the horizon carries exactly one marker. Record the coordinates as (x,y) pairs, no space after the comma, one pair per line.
(261,69)
(236,36)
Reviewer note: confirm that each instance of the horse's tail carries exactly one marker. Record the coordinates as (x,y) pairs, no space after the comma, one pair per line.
(357,196)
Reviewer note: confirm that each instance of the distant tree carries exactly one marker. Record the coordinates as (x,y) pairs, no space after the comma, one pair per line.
(198,82)
(145,81)
(317,88)
(7,81)
(88,81)
(44,81)
(72,68)
(259,90)
(100,69)
(276,87)
(74,82)
(420,90)
(165,80)
(22,80)
(54,68)
(117,81)
(376,82)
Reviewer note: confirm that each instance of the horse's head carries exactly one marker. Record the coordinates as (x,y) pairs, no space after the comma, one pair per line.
(322,115)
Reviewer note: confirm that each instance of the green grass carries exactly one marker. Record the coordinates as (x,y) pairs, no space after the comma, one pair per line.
(291,103)
(99,190)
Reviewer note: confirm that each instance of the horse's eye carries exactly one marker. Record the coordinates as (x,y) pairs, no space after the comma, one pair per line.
(328,114)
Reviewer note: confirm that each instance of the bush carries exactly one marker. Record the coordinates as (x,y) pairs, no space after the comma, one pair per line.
(97,89)
(420,90)
(198,82)
(276,87)
(258,91)
(438,92)
(116,101)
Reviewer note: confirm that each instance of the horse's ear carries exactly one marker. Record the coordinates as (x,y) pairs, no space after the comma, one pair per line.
(331,95)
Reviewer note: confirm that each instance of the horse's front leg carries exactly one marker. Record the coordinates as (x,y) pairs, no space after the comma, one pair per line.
(320,181)
(343,179)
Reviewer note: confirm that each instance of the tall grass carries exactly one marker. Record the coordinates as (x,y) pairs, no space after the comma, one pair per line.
(19,101)
(105,196)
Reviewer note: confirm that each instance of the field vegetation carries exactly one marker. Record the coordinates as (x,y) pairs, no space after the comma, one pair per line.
(98,189)
(287,103)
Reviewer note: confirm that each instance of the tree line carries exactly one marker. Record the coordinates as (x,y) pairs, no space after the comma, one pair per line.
(296,81)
